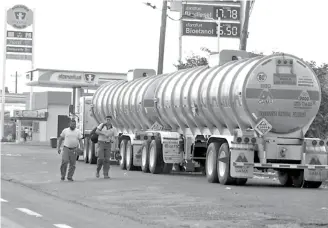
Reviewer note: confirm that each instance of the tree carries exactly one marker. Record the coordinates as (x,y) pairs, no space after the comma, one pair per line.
(193,61)
(319,127)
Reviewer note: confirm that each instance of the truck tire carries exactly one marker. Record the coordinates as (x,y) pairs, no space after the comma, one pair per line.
(156,163)
(123,154)
(285,178)
(299,182)
(223,168)
(129,157)
(92,153)
(211,162)
(145,157)
(86,151)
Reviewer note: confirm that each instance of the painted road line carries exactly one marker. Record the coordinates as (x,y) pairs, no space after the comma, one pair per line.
(3,200)
(62,226)
(29,212)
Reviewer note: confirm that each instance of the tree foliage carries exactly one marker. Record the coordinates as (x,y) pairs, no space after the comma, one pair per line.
(319,127)
(193,61)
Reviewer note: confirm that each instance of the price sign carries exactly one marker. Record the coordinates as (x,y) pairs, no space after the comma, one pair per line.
(209,29)
(230,30)
(227,13)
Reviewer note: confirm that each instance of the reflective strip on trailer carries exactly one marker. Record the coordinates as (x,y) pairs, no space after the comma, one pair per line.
(281,166)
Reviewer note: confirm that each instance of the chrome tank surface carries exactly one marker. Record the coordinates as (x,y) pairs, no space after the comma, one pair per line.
(280,88)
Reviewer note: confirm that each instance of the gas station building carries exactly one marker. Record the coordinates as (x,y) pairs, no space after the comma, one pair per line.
(49,111)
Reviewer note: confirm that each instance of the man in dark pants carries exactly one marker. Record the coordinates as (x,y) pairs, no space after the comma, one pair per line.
(106,134)
(72,138)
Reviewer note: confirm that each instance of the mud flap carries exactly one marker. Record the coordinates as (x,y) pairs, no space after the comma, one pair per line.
(242,163)
(314,171)
(318,175)
(137,152)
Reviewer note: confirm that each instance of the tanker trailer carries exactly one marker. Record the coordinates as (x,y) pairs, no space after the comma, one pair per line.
(229,118)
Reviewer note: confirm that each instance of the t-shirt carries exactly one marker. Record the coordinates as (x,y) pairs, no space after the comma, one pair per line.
(112,132)
(71,137)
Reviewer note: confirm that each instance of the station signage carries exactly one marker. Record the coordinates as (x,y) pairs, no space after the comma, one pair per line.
(209,29)
(69,77)
(19,49)
(30,114)
(20,17)
(75,77)
(224,12)
(19,57)
(16,42)
(18,34)
(199,18)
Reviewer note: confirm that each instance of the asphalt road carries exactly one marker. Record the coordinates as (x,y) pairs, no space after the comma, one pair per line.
(33,196)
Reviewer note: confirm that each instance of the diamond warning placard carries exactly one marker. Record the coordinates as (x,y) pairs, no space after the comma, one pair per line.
(263,127)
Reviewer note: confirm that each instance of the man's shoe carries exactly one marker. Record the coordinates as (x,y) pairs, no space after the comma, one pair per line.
(97,175)
(62,178)
(70,179)
(106,177)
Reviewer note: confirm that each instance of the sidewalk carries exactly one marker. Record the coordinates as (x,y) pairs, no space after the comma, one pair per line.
(28,143)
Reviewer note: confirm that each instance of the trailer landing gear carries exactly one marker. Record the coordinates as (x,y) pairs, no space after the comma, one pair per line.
(92,153)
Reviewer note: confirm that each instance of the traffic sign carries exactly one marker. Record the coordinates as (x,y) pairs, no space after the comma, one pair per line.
(19,49)
(19,57)
(20,17)
(19,42)
(209,29)
(231,13)
(17,34)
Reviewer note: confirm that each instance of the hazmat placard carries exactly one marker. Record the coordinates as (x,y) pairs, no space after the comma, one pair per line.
(263,127)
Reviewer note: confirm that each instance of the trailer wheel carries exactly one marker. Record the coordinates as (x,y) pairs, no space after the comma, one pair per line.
(86,150)
(156,162)
(145,156)
(129,157)
(92,153)
(285,178)
(211,162)
(223,168)
(123,154)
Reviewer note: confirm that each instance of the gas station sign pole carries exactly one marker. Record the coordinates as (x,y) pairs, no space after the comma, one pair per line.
(3,93)
(18,17)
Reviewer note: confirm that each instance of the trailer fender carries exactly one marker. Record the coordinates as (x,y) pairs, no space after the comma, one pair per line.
(221,138)
(128,137)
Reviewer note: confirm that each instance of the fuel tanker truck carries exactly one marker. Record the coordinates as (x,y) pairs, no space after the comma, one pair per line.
(236,114)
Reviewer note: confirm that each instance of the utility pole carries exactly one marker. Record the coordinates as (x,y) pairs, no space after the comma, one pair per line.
(162,39)
(16,81)
(244,33)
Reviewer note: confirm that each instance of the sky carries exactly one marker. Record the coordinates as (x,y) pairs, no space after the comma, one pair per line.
(116,36)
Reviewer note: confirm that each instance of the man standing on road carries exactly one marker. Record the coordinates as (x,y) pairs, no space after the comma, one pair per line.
(72,138)
(106,134)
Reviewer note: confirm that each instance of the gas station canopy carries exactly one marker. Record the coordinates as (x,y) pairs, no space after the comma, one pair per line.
(70,79)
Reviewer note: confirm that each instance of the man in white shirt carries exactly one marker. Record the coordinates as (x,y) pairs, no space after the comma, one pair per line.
(106,134)
(72,137)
